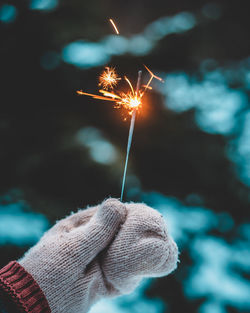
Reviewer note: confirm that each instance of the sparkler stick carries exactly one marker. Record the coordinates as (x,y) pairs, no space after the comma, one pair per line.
(130,136)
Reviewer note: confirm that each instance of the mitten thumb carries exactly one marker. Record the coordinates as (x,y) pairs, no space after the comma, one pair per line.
(94,236)
(142,248)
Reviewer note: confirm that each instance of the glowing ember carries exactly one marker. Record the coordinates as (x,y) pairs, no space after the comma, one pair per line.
(130,102)
(113,24)
(108,78)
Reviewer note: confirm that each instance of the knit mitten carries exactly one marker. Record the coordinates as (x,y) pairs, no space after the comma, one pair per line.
(100,252)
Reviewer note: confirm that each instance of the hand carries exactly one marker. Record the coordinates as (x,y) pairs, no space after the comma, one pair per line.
(100,252)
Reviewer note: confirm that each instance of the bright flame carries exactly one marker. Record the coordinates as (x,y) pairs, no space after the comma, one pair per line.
(108,78)
(130,102)
(113,24)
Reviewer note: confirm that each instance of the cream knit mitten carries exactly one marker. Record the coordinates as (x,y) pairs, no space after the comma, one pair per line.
(103,251)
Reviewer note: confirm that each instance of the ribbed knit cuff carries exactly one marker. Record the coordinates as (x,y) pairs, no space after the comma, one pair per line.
(21,288)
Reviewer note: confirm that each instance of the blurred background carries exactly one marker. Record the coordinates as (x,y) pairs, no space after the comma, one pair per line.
(190,157)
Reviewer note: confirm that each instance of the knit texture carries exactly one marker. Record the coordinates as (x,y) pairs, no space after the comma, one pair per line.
(20,292)
(142,248)
(103,251)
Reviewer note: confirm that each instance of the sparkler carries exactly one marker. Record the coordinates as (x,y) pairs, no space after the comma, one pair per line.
(130,136)
(130,100)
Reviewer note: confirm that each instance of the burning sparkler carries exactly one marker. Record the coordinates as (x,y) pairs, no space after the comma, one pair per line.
(130,100)
(131,131)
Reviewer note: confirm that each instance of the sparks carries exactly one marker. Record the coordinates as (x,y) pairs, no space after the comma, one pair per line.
(113,24)
(130,100)
(108,78)
(147,87)
(153,75)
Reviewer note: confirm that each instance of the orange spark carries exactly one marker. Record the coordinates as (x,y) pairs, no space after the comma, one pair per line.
(152,74)
(128,101)
(109,94)
(80,92)
(108,78)
(147,87)
(131,100)
(130,85)
(113,24)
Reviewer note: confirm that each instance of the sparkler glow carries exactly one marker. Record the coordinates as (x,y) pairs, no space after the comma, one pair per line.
(108,78)
(130,100)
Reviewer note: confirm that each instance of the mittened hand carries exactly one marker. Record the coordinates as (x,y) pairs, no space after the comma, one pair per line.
(100,252)
(65,262)
(142,248)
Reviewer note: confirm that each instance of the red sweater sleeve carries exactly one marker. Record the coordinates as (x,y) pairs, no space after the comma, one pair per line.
(19,290)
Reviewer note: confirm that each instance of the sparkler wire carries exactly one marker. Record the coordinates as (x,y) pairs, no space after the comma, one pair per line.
(130,136)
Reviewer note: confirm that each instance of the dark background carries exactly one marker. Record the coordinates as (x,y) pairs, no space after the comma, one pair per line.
(190,155)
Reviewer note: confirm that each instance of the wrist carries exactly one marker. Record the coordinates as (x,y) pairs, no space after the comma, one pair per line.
(20,290)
